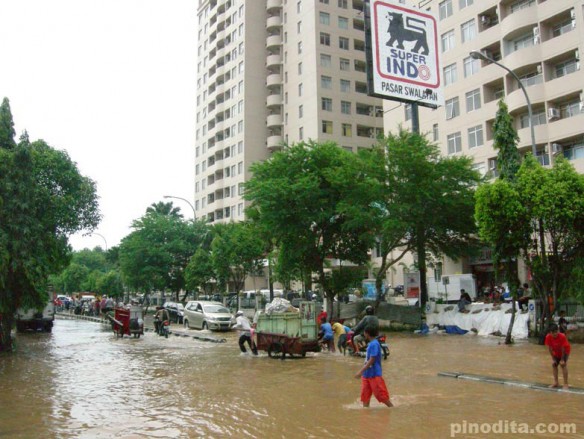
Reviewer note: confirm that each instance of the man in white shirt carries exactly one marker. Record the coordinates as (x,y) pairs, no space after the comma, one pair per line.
(242,324)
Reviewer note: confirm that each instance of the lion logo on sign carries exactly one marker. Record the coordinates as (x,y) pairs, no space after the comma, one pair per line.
(398,32)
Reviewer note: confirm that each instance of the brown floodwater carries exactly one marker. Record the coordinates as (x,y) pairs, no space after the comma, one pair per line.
(82,382)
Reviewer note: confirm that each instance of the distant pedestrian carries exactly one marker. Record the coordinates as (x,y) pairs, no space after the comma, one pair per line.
(244,327)
(372,382)
(563,323)
(340,336)
(326,334)
(559,349)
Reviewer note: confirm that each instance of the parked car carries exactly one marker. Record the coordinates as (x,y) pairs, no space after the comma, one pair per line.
(200,314)
(175,310)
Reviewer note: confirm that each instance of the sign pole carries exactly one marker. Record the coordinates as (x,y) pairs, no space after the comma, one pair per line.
(415,118)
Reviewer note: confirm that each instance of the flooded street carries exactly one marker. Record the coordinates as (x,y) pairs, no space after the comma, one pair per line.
(82,382)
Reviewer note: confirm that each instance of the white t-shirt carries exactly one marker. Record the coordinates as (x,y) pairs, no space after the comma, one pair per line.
(242,323)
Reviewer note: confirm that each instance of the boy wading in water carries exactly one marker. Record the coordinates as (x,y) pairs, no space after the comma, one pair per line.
(559,348)
(372,382)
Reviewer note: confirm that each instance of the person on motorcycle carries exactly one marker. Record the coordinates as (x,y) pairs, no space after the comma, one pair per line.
(160,318)
(368,320)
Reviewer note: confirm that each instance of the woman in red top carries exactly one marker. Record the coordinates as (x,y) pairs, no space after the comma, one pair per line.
(559,349)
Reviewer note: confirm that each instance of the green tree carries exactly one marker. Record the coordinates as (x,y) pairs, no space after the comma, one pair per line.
(413,199)
(297,196)
(74,278)
(7,132)
(163,208)
(44,199)
(236,251)
(200,272)
(111,284)
(505,141)
(154,255)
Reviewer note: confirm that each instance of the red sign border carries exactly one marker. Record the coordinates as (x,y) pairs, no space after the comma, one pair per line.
(377,56)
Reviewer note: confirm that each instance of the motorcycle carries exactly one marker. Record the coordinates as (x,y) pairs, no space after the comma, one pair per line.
(362,352)
(162,328)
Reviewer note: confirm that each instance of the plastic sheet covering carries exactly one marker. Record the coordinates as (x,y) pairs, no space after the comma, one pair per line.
(481,317)
(279,306)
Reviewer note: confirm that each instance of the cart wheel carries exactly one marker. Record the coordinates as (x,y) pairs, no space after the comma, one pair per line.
(276,350)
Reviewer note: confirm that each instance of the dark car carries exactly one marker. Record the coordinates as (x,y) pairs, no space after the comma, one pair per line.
(175,310)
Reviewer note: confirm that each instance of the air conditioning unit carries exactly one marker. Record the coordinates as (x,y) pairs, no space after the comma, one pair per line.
(539,69)
(556,148)
(553,113)
(581,106)
(572,14)
(485,20)
(492,164)
(577,54)
(488,53)
(536,31)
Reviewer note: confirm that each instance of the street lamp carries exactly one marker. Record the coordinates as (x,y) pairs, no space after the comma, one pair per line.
(186,201)
(475,54)
(101,236)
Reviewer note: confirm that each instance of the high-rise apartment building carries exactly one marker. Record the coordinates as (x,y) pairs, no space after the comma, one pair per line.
(538,40)
(272,72)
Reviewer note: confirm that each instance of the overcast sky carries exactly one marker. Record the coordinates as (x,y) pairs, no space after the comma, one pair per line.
(113,83)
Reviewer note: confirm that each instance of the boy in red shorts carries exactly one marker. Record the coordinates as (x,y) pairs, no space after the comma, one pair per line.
(372,382)
(559,348)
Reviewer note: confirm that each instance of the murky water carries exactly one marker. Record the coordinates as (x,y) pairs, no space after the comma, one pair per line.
(82,382)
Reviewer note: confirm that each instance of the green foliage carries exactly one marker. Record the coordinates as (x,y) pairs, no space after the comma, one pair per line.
(111,284)
(297,194)
(44,199)
(163,208)
(505,142)
(200,272)
(154,255)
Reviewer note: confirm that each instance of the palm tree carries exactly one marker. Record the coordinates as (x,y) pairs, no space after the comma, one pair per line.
(167,209)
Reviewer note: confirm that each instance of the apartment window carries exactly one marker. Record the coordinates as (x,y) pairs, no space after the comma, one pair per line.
(522,42)
(471,66)
(344,43)
(445,9)
(301,133)
(298,7)
(521,4)
(325,2)
(347,130)
(538,119)
(450,74)
(566,67)
(326,82)
(327,127)
(299,27)
(325,39)
(300,111)
(345,107)
(464,3)
(300,89)
(452,108)
(239,147)
(435,132)
(299,47)
(325,60)
(345,64)
(447,41)
(240,126)
(299,68)
(531,78)
(475,136)
(570,109)
(454,143)
(345,86)
(233,171)
(468,30)
(240,168)
(473,100)
(563,27)
(343,23)
(324,18)
(574,151)
(326,104)
(342,4)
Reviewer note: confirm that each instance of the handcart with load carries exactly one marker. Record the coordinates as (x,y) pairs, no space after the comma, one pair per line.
(287,331)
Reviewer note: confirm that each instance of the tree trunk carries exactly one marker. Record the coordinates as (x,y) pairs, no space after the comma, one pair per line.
(6,322)
(513,286)
(421,250)
(508,338)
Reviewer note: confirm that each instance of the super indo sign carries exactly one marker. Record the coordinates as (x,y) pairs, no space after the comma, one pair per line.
(403,54)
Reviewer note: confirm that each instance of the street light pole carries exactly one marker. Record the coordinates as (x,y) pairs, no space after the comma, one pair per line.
(186,201)
(475,54)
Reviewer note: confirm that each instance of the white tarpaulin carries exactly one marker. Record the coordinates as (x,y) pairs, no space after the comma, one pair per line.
(482,317)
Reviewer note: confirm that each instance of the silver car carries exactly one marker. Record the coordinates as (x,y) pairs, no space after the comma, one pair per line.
(200,314)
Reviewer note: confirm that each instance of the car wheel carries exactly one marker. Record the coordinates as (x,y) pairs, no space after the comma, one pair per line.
(205,326)
(186,324)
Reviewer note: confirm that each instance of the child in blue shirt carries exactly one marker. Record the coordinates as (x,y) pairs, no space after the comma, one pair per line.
(326,334)
(372,382)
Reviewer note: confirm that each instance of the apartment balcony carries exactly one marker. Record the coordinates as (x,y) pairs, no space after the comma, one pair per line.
(516,99)
(527,17)
(274,22)
(522,57)
(273,60)
(221,51)
(274,142)
(558,45)
(549,9)
(274,41)
(275,79)
(274,120)
(274,4)
(221,35)
(274,100)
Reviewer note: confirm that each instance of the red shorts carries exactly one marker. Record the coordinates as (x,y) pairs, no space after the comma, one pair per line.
(374,386)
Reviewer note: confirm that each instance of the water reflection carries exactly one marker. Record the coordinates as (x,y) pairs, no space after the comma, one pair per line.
(82,382)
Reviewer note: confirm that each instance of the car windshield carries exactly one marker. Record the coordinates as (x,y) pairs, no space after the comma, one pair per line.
(180,306)
(213,309)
